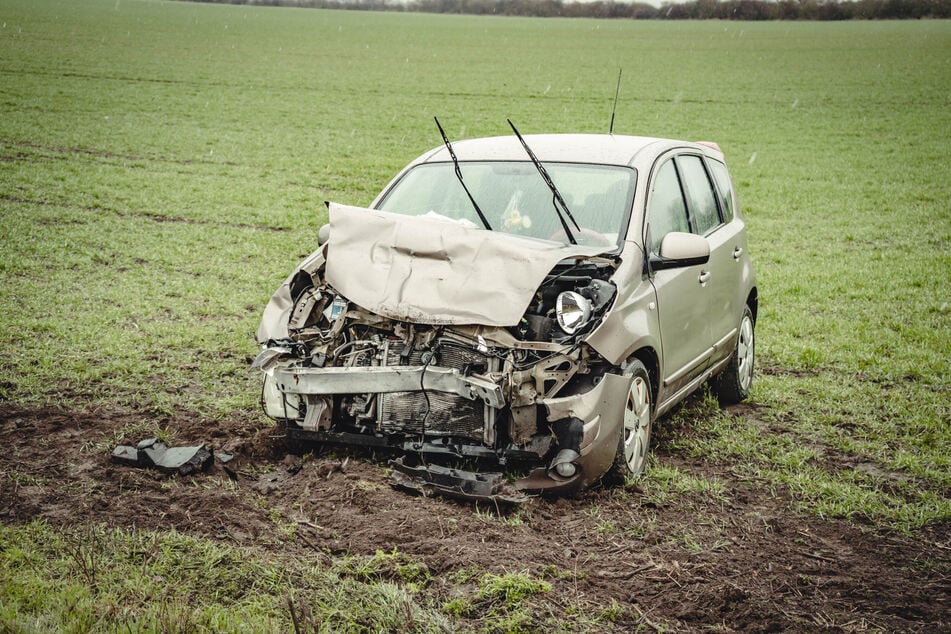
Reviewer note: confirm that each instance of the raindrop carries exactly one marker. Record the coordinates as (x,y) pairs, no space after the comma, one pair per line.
(547,88)
(752,158)
(795,103)
(211,152)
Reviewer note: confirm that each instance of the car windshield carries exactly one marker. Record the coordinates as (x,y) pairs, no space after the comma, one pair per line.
(515,199)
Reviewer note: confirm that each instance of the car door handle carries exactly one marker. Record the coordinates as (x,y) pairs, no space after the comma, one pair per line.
(704,277)
(737,252)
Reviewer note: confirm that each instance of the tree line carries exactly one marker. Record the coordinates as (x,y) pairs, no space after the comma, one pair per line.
(693,10)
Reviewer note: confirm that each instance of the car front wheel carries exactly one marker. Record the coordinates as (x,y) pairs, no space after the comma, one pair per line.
(634,440)
(733,384)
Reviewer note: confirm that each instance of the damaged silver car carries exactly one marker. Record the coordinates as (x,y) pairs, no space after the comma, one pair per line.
(530,303)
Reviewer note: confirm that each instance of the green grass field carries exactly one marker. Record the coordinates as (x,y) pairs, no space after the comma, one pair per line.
(164,165)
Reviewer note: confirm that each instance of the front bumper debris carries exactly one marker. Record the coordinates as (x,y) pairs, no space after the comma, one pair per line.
(343,380)
(153,453)
(583,427)
(455,483)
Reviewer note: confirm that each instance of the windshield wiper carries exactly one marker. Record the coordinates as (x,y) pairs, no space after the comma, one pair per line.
(556,195)
(455,162)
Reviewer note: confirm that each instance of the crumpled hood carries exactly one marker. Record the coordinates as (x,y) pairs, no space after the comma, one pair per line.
(433,271)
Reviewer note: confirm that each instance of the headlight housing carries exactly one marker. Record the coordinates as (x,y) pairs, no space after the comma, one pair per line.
(277,404)
(572,311)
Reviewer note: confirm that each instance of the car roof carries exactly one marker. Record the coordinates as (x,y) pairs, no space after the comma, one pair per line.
(604,149)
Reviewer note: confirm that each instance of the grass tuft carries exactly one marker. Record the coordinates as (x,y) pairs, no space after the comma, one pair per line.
(105,579)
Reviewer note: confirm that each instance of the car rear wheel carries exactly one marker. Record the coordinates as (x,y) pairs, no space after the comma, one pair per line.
(634,441)
(733,384)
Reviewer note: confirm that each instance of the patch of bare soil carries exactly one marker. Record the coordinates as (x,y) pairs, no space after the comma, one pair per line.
(745,563)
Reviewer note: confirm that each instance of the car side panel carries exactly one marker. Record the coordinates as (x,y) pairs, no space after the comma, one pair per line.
(724,303)
(632,322)
(685,325)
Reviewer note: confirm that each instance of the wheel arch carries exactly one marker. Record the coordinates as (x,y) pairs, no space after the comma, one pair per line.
(752,300)
(648,356)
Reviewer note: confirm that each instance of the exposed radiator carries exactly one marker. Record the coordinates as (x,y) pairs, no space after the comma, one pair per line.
(449,414)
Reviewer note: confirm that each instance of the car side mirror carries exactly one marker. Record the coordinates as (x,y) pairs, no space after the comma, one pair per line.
(679,249)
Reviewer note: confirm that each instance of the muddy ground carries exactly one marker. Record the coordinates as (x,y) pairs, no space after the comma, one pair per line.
(743,563)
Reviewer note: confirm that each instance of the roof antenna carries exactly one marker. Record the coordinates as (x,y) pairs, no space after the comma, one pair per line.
(614,109)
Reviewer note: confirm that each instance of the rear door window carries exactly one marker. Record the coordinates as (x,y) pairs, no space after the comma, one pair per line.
(704,212)
(725,187)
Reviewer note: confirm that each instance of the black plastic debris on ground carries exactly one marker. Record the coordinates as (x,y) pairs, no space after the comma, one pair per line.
(454,483)
(153,453)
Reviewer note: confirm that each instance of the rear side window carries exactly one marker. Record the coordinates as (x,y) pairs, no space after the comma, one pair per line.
(705,215)
(667,211)
(722,178)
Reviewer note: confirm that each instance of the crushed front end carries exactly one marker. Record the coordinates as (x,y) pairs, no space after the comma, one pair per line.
(530,395)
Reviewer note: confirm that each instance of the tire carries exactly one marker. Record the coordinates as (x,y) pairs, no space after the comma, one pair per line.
(733,384)
(634,440)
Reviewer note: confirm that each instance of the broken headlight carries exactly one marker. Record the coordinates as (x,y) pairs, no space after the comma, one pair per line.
(276,403)
(572,311)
